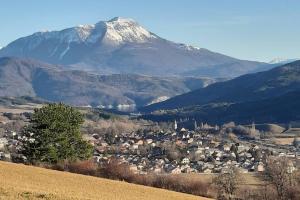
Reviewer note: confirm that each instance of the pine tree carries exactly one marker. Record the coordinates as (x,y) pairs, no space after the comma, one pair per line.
(54,135)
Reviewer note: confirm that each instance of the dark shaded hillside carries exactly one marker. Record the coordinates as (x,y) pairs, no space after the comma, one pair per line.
(282,109)
(251,87)
(24,77)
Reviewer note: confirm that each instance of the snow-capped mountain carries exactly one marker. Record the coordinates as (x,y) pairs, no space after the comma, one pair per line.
(116,31)
(121,45)
(281,61)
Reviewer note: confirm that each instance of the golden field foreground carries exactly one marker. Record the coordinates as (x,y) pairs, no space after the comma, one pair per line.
(18,181)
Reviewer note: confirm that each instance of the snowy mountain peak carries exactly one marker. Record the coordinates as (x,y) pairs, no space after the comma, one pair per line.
(122,20)
(119,30)
(114,32)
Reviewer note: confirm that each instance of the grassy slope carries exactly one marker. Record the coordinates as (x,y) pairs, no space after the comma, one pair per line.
(25,182)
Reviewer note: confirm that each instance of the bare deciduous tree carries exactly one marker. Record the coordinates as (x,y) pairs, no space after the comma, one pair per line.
(227,183)
(280,173)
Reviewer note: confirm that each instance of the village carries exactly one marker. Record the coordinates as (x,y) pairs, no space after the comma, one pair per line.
(180,150)
(200,148)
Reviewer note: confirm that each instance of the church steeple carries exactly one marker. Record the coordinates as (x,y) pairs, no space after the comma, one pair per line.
(175,125)
(253,126)
(253,130)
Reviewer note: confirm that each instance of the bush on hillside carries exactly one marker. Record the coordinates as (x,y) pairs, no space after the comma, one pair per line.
(115,170)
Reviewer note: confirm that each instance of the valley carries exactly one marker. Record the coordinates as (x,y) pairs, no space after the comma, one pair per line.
(178,100)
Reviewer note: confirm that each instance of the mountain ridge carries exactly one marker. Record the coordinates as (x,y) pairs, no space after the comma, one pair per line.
(27,77)
(280,109)
(250,87)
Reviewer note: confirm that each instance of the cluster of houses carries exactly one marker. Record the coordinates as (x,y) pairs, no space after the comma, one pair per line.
(8,144)
(176,150)
(181,151)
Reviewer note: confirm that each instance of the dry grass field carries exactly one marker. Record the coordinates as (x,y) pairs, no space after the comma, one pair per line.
(284,141)
(19,108)
(26,182)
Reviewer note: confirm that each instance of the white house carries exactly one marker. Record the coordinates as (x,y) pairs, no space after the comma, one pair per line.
(185,161)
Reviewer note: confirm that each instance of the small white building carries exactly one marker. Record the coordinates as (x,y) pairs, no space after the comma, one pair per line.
(185,161)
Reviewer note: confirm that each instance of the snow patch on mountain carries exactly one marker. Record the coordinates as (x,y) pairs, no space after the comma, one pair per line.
(188,47)
(159,99)
(84,31)
(64,52)
(281,61)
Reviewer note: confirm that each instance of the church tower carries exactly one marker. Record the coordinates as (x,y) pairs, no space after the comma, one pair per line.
(175,125)
(253,130)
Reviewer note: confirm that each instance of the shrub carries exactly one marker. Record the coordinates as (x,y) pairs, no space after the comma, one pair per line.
(120,171)
(115,170)
(87,167)
(184,185)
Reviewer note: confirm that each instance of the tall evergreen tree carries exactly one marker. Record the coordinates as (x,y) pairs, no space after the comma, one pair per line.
(54,135)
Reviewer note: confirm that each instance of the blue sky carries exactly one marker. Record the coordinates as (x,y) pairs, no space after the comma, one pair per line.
(255,30)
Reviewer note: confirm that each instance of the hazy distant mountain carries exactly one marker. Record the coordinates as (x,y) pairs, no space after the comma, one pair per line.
(281,61)
(121,45)
(247,88)
(24,77)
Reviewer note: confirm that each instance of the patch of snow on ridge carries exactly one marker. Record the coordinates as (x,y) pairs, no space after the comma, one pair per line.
(188,47)
(64,52)
(159,99)
(281,61)
(84,31)
(76,34)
